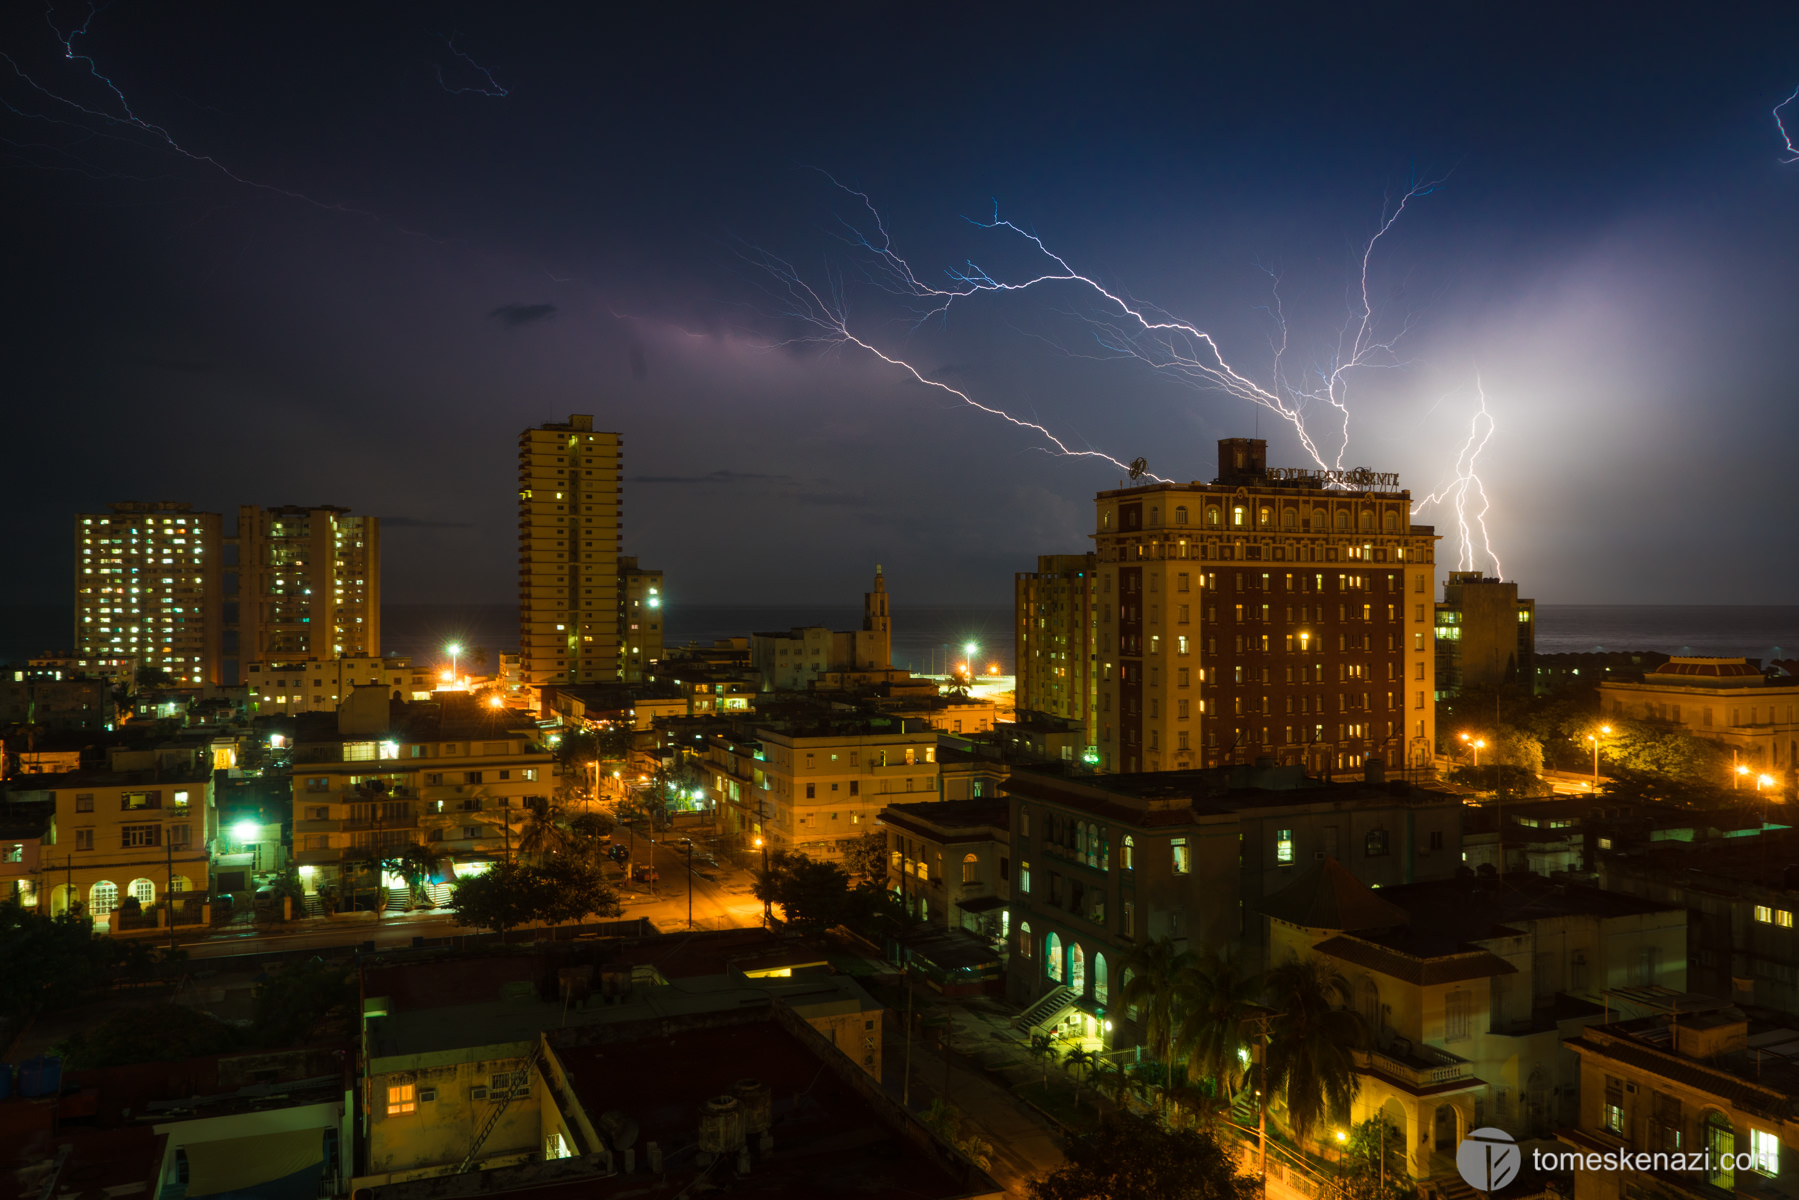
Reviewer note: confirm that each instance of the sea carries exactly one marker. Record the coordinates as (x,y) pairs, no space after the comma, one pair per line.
(925,637)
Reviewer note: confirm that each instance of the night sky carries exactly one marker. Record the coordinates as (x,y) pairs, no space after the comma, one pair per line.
(424,227)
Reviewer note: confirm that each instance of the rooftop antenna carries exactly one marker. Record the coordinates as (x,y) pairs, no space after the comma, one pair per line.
(1138,467)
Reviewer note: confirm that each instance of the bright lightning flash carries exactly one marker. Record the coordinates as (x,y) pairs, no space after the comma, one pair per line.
(1792,151)
(1466,491)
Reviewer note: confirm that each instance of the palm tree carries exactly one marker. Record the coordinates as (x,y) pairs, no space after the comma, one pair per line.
(1312,1043)
(1153,973)
(1114,1078)
(1079,1061)
(1214,998)
(587,835)
(543,833)
(416,863)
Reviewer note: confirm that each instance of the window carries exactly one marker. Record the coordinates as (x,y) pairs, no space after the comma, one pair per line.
(1783,918)
(1375,844)
(1613,1110)
(84,802)
(401,1099)
(1128,854)
(1025,947)
(84,839)
(1024,876)
(1765,1148)
(1127,923)
(811,791)
(1178,847)
(471,777)
(1764,914)
(1458,1008)
(1283,846)
(134,836)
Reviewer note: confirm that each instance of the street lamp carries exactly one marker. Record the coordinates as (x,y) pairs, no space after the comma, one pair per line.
(1741,771)
(453,650)
(1762,781)
(1594,738)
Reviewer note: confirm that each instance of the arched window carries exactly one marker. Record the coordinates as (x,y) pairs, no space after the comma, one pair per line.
(1238,515)
(178,883)
(1721,1145)
(1211,518)
(1124,989)
(143,891)
(1052,956)
(102,898)
(1025,947)
(1128,859)
(1342,521)
(1290,519)
(1392,521)
(1077,969)
(1105,520)
(970,868)
(1264,516)
(1180,514)
(1101,990)
(1368,1002)
(1320,520)
(1367,521)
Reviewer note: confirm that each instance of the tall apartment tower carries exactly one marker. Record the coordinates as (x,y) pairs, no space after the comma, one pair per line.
(309,584)
(569,506)
(1486,635)
(147,587)
(640,601)
(1279,615)
(1056,633)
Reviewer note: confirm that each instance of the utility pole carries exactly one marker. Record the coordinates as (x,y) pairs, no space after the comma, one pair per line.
(168,890)
(906,1085)
(690,885)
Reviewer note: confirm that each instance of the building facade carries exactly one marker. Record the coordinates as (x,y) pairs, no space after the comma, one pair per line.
(812,785)
(640,600)
(1726,700)
(1057,627)
(795,660)
(570,504)
(309,583)
(298,686)
(452,774)
(140,830)
(1105,863)
(147,586)
(950,863)
(1486,635)
(50,698)
(1269,614)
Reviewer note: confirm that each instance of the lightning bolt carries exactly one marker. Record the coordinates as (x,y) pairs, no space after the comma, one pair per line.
(826,313)
(493,87)
(1792,151)
(1466,491)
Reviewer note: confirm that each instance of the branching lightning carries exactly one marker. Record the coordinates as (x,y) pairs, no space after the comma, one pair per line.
(1792,151)
(1466,490)
(492,88)
(1127,328)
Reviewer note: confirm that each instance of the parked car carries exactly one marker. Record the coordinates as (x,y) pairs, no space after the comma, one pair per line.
(644,874)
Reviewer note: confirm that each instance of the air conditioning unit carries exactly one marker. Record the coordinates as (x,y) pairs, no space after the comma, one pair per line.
(477,1093)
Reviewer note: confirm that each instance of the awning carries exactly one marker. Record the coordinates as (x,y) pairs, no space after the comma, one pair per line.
(250,1166)
(981,904)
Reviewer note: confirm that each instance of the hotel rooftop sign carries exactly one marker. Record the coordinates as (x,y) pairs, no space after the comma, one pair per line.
(1356,477)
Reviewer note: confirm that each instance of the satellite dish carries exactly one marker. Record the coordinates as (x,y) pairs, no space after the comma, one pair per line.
(1138,467)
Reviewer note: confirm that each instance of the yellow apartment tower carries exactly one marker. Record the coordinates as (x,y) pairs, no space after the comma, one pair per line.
(309,584)
(569,510)
(147,587)
(1278,615)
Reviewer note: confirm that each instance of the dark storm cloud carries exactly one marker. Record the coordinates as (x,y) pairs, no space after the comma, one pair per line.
(423,523)
(156,362)
(515,315)
(714,477)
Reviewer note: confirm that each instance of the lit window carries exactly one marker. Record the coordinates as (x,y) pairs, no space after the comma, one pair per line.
(1783,918)
(1765,1147)
(1764,914)
(401,1099)
(1181,862)
(1283,846)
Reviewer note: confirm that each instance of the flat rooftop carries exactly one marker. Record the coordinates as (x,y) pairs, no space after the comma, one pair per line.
(950,814)
(829,1139)
(1448,914)
(1214,791)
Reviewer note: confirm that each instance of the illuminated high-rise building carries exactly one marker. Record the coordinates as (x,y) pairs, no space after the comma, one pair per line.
(569,509)
(1280,615)
(640,600)
(147,588)
(1486,635)
(309,584)
(1055,616)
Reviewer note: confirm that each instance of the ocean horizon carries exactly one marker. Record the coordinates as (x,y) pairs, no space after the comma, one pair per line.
(927,635)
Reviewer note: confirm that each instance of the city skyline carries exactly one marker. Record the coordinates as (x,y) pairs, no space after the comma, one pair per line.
(350,292)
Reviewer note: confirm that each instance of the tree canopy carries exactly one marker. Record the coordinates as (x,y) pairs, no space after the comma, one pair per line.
(1133,1158)
(52,961)
(562,889)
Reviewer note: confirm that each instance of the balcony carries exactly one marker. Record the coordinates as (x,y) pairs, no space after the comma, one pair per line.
(1419,1068)
(318,826)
